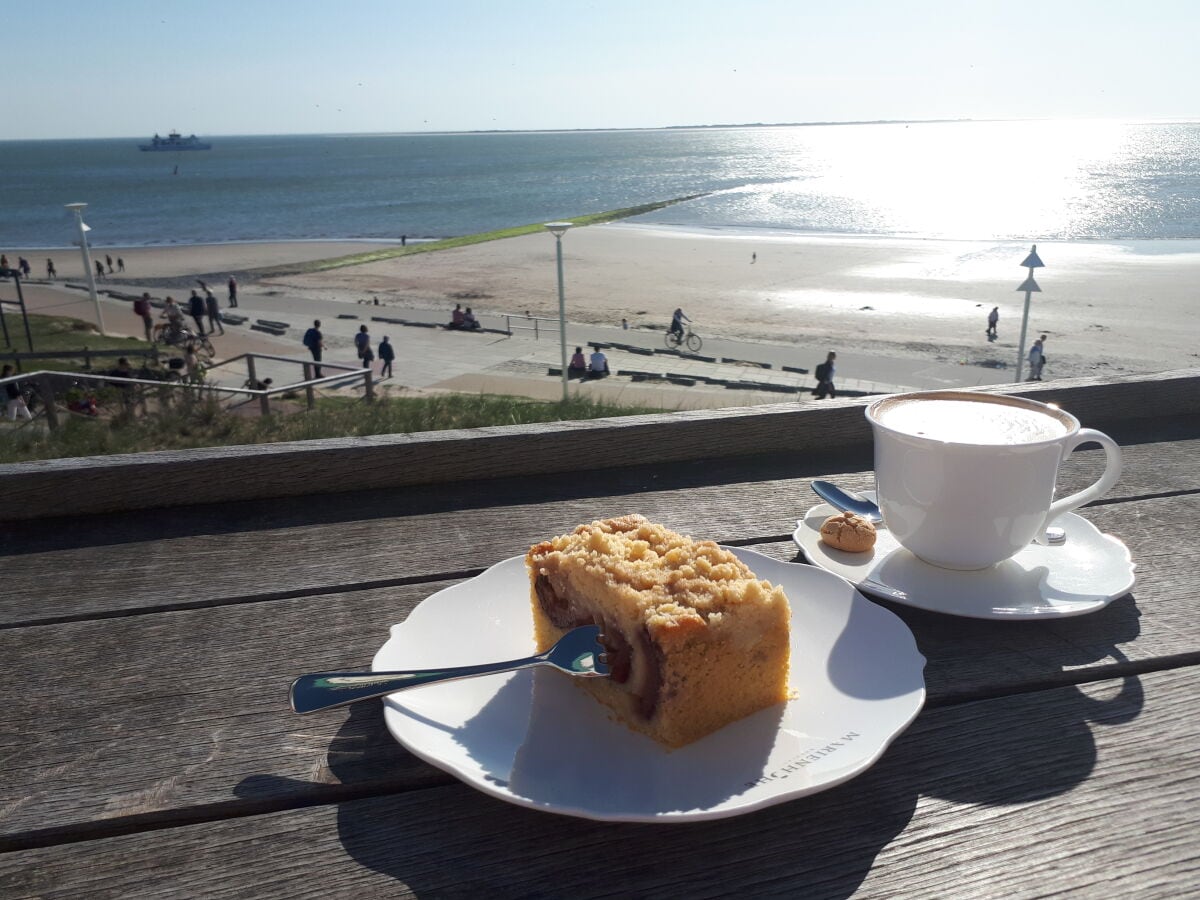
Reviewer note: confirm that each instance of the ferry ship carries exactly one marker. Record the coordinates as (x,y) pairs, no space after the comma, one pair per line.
(175,141)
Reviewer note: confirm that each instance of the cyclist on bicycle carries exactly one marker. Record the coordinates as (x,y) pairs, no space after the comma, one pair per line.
(172,330)
(677,321)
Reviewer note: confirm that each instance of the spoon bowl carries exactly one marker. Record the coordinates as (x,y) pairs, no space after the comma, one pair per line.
(847,502)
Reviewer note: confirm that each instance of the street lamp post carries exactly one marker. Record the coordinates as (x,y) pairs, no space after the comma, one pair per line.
(558,229)
(1030,287)
(78,209)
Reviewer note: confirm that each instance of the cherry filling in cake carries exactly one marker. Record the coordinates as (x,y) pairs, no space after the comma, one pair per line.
(621,650)
(694,640)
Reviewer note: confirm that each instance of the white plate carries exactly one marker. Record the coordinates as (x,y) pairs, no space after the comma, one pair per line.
(535,739)
(1085,573)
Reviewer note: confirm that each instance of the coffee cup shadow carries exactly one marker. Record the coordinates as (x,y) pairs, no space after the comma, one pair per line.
(1023,745)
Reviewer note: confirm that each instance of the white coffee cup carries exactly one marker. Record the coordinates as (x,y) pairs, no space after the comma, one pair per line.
(966,480)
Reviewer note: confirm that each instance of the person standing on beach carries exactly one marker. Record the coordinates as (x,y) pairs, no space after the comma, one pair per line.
(120,264)
(1042,358)
(232,292)
(1037,359)
(362,341)
(108,259)
(214,313)
(51,272)
(993,321)
(315,342)
(196,310)
(99,270)
(141,307)
(824,375)
(387,354)
(23,265)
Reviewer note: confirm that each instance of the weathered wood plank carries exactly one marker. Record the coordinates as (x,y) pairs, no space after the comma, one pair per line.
(145,717)
(214,554)
(1074,791)
(85,486)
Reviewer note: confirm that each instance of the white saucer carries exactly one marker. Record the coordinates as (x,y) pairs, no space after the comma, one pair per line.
(1082,575)
(536,740)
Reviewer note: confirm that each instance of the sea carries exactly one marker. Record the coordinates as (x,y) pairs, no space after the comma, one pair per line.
(966,180)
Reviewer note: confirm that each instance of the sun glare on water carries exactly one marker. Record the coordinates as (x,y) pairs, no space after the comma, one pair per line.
(957,179)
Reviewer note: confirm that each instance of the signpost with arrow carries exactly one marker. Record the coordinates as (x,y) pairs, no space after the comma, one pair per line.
(1030,287)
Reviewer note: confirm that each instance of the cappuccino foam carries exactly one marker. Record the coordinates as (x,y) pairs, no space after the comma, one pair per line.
(970,422)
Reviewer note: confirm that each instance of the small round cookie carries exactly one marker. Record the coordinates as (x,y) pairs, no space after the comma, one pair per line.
(846,531)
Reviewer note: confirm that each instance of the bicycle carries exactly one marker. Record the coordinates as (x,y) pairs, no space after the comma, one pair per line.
(676,339)
(182,337)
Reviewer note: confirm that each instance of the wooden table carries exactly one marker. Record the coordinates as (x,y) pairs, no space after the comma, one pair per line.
(148,748)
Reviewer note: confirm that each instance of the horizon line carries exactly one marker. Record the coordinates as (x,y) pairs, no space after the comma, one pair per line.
(689,127)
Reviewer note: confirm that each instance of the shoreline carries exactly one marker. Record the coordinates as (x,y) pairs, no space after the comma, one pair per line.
(1170,245)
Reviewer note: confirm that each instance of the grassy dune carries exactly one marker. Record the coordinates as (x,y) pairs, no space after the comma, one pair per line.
(192,421)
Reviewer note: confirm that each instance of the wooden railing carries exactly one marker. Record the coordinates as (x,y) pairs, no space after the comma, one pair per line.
(308,468)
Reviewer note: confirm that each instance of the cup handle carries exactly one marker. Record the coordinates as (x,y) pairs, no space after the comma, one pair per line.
(1112,472)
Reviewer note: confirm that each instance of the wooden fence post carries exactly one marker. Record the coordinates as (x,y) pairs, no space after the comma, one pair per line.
(369,384)
(308,388)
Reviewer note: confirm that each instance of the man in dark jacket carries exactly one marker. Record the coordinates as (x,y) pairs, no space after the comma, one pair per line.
(196,310)
(824,375)
(315,342)
(141,307)
(214,312)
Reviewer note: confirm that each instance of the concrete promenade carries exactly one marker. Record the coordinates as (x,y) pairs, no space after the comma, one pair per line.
(432,359)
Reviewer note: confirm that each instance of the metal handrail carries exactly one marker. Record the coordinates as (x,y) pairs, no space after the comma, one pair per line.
(44,379)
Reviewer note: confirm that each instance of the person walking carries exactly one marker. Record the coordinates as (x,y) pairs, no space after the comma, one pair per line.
(993,321)
(51,272)
(141,307)
(1037,359)
(191,363)
(214,313)
(1036,365)
(108,259)
(120,264)
(387,354)
(15,399)
(196,310)
(232,292)
(99,270)
(315,342)
(824,373)
(362,342)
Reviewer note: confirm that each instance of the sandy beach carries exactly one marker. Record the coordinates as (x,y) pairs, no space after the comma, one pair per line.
(1105,307)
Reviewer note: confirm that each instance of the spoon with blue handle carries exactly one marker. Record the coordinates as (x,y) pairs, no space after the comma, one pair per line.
(861,506)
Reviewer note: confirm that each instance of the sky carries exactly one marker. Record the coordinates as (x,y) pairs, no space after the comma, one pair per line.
(130,68)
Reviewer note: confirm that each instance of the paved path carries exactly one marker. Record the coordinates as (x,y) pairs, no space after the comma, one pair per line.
(433,359)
